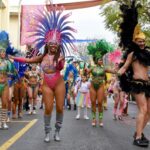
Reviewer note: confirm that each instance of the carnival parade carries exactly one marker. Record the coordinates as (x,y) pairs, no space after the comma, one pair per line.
(61,92)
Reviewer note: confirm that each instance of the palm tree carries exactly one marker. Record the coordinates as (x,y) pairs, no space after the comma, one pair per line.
(112,13)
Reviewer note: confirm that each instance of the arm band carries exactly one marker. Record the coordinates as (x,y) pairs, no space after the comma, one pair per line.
(20,59)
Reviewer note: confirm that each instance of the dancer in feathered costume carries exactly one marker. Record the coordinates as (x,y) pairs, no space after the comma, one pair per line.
(33,79)
(98,50)
(134,71)
(19,89)
(115,58)
(6,71)
(52,31)
(70,77)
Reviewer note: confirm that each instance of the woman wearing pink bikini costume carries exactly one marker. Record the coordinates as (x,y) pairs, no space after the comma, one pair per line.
(53,32)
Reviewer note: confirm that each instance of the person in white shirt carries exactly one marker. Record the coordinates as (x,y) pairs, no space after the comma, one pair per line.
(82,98)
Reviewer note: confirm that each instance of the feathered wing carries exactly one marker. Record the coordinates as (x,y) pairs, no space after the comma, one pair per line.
(130,20)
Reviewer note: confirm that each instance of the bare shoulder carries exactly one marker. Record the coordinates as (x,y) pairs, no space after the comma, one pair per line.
(130,56)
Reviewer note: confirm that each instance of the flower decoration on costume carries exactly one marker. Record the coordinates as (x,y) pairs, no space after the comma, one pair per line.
(99,49)
(53,27)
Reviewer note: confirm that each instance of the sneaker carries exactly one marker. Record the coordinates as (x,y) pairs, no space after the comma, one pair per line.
(8,119)
(143,137)
(34,112)
(4,126)
(41,107)
(115,117)
(19,115)
(101,123)
(89,106)
(78,117)
(139,142)
(30,112)
(56,136)
(120,118)
(47,138)
(69,106)
(86,117)
(94,122)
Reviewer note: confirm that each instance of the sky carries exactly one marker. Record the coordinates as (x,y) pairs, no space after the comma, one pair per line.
(88,23)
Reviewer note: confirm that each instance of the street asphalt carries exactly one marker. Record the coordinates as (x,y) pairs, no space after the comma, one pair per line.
(75,134)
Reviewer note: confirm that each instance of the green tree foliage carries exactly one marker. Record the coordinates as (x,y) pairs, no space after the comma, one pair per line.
(113,18)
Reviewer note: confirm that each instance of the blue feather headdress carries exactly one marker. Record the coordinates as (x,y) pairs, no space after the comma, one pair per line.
(3,40)
(6,45)
(53,27)
(71,68)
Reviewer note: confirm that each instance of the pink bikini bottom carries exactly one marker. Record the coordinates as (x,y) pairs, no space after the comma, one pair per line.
(52,79)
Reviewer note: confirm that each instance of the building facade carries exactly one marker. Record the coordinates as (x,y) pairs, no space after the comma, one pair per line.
(9,21)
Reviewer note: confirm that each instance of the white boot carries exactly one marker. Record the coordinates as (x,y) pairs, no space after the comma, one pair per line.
(85,114)
(30,109)
(47,127)
(56,136)
(4,126)
(3,119)
(47,138)
(34,110)
(78,113)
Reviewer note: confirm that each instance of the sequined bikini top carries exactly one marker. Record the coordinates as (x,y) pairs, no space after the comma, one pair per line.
(3,66)
(98,71)
(48,64)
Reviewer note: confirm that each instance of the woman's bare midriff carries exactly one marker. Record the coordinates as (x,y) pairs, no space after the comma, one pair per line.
(3,78)
(33,80)
(140,71)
